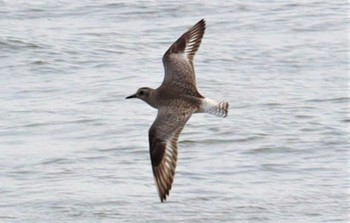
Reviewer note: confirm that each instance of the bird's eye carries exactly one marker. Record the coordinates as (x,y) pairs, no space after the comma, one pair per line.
(141,93)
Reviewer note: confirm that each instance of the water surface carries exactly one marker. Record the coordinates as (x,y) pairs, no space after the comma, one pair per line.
(73,150)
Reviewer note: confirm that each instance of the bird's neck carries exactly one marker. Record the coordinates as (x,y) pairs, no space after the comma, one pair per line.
(152,99)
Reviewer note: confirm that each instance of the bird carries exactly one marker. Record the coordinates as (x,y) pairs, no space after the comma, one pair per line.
(176,99)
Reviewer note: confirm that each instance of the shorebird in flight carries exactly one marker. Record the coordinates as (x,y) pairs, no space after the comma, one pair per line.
(176,100)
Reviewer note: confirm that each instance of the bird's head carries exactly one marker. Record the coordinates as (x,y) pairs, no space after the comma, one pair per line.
(144,94)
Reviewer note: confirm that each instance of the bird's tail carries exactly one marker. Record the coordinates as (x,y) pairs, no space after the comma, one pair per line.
(218,108)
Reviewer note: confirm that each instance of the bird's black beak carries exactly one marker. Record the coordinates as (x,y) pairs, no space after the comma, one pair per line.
(131,96)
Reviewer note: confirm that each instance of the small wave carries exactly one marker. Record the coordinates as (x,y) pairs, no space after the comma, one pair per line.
(272,104)
(339,99)
(57,161)
(39,62)
(267,149)
(53,123)
(19,44)
(7,217)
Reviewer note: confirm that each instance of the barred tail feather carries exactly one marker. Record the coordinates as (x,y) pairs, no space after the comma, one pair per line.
(218,108)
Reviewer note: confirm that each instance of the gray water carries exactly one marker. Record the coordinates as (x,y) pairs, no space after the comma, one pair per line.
(72,149)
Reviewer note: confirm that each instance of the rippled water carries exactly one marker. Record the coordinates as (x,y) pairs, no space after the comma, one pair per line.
(73,150)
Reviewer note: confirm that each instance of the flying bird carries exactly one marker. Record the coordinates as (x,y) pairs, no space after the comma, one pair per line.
(176,99)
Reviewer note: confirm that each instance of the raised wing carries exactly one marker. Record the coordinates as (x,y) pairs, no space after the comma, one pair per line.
(178,59)
(163,137)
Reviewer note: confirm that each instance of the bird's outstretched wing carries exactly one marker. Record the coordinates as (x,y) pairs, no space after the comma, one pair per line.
(178,59)
(163,137)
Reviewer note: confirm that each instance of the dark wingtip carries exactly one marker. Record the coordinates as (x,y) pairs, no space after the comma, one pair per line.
(202,21)
(162,198)
(190,40)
